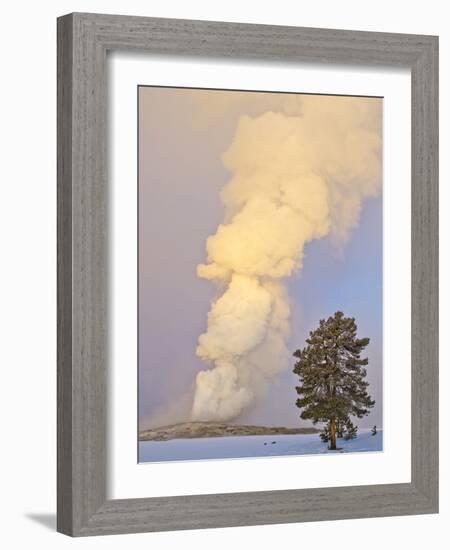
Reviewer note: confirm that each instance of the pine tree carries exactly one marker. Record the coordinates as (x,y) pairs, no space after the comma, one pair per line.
(351,431)
(340,428)
(332,375)
(325,434)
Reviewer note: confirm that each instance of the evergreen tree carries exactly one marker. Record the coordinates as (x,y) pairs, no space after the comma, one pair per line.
(340,428)
(332,375)
(325,434)
(351,431)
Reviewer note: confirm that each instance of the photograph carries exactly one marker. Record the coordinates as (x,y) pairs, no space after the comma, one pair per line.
(221,258)
(260,274)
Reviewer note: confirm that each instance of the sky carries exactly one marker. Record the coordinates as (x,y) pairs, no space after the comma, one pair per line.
(183,135)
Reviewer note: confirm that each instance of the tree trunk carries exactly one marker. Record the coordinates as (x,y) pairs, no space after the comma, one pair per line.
(333,434)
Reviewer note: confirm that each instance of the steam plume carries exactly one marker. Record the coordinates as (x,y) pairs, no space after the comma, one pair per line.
(296,175)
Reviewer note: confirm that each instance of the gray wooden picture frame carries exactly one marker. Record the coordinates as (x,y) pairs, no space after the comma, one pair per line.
(83,41)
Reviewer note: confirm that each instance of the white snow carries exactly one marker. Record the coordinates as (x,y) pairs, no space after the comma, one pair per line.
(253,446)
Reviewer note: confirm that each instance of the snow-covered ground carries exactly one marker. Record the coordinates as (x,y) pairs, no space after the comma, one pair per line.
(253,446)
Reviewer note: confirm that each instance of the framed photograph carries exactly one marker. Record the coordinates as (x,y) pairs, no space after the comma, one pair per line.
(247,274)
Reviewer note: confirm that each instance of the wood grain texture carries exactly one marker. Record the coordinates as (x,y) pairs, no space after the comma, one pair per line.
(424,275)
(83,40)
(64,295)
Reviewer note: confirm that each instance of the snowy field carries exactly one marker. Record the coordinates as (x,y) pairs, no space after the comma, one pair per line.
(253,446)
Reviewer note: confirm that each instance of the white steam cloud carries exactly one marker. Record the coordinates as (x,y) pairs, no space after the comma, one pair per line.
(296,175)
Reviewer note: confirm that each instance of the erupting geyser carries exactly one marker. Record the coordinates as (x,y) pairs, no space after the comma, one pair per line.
(294,178)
